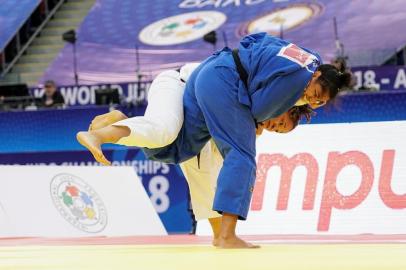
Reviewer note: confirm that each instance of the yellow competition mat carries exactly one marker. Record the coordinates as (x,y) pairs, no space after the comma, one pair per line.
(203,257)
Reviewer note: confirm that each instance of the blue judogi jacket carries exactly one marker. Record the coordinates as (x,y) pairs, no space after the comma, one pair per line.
(218,105)
(275,81)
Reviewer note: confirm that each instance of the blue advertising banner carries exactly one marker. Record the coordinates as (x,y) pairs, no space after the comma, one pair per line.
(380,78)
(130,93)
(55,130)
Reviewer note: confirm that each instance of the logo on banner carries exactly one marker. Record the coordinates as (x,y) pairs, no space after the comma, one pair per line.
(283,19)
(182,28)
(78,203)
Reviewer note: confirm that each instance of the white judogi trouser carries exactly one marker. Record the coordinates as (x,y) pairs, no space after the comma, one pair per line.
(160,126)
(163,117)
(201,176)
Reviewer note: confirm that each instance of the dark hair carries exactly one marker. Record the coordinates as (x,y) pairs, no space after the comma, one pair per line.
(50,82)
(332,79)
(298,112)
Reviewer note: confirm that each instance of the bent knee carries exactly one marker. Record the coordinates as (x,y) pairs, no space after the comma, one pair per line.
(165,139)
(165,135)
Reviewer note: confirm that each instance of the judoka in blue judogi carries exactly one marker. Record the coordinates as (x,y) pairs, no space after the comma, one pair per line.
(218,105)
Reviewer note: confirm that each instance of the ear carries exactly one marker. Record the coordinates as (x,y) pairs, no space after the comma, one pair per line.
(316,75)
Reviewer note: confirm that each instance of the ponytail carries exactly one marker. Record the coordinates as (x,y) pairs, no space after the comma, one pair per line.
(333,80)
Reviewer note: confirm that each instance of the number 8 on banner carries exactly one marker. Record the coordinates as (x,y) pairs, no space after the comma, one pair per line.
(158,186)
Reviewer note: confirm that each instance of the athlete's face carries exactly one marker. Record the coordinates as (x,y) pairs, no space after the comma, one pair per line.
(281,124)
(314,94)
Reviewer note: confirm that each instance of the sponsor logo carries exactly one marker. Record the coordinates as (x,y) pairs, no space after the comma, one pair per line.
(78,203)
(331,197)
(283,19)
(181,28)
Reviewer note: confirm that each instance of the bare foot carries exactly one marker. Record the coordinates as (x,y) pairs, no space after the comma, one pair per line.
(233,242)
(93,144)
(106,119)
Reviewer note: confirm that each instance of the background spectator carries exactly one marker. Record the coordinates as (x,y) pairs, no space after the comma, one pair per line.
(52,97)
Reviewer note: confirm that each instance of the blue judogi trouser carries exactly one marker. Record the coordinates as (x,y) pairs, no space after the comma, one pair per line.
(232,127)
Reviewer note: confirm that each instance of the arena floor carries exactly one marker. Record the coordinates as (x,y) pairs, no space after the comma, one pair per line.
(193,252)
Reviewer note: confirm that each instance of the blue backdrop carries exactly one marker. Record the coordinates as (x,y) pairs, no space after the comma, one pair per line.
(108,35)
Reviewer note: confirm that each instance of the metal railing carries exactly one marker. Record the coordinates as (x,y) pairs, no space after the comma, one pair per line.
(8,67)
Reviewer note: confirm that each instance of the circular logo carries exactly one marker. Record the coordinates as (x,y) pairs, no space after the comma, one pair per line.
(282,19)
(78,203)
(181,28)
